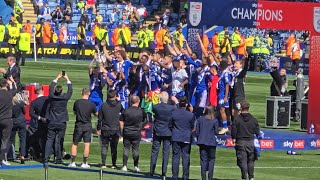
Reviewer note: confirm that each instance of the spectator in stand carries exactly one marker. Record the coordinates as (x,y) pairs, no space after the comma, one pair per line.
(91,5)
(47,32)
(114,17)
(99,17)
(166,18)
(183,18)
(63,34)
(46,11)
(134,19)
(67,15)
(80,5)
(158,24)
(57,16)
(142,12)
(84,17)
(129,8)
(63,4)
(37,6)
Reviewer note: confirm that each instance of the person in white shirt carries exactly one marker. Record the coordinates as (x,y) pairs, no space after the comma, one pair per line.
(179,79)
(166,17)
(142,11)
(46,10)
(129,8)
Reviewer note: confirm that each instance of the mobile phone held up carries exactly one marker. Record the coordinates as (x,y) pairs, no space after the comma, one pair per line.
(63,73)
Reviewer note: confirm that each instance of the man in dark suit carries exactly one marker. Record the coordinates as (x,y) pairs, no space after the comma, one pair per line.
(183,124)
(38,124)
(13,70)
(57,117)
(161,133)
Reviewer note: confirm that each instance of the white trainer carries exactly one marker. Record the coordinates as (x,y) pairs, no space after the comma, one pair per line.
(86,166)
(73,165)
(136,169)
(124,168)
(6,163)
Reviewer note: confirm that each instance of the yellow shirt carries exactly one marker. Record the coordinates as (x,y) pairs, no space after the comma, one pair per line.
(99,19)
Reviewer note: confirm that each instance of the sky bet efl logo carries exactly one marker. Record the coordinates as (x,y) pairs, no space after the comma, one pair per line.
(296,144)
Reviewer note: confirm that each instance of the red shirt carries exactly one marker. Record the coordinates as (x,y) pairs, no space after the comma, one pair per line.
(213,95)
(90,2)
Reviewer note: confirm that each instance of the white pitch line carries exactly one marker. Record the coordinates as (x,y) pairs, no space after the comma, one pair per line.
(63,63)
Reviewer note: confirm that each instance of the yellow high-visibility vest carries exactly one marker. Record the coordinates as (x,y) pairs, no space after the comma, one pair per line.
(24,42)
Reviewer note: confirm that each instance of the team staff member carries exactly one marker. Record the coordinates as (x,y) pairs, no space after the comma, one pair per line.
(37,111)
(7,92)
(244,127)
(131,122)
(81,34)
(39,36)
(206,130)
(63,35)
(19,124)
(83,109)
(57,117)
(183,124)
(13,70)
(23,45)
(108,127)
(2,31)
(14,34)
(162,132)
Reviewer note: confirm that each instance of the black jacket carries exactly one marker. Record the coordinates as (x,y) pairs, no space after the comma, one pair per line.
(278,83)
(6,103)
(109,116)
(15,73)
(162,119)
(244,127)
(183,124)
(18,113)
(58,112)
(38,108)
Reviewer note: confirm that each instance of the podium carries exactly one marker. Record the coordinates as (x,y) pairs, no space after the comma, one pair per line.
(278,110)
(32,96)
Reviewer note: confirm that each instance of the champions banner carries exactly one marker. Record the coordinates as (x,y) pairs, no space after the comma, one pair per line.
(266,15)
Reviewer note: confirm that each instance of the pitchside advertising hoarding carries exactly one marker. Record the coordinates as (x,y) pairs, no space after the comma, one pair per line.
(265,15)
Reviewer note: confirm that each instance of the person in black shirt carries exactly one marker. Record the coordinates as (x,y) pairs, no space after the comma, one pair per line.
(7,92)
(57,117)
(83,109)
(19,124)
(131,122)
(108,127)
(244,128)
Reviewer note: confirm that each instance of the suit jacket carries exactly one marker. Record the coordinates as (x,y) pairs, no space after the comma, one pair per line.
(162,119)
(15,73)
(206,131)
(38,108)
(183,123)
(58,112)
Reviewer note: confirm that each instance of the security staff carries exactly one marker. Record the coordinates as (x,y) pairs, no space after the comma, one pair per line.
(39,36)
(37,111)
(183,124)
(221,35)
(95,32)
(206,130)
(23,45)
(122,36)
(132,121)
(143,40)
(162,132)
(2,31)
(108,127)
(150,34)
(244,127)
(14,33)
(103,34)
(178,37)
(63,37)
(57,118)
(235,40)
(18,9)
(81,34)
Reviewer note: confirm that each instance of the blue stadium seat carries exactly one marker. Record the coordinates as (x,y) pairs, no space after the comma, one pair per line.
(52,4)
(102,12)
(121,6)
(171,29)
(135,1)
(174,16)
(73,26)
(156,2)
(108,13)
(89,12)
(76,18)
(155,6)
(102,6)
(145,2)
(110,6)
(76,12)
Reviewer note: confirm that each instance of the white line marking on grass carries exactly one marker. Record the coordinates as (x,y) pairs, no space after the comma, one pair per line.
(63,63)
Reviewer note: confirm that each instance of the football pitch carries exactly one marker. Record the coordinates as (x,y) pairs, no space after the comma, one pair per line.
(272,164)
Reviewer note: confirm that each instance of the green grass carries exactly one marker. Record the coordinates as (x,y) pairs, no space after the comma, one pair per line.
(272,165)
